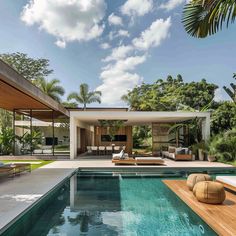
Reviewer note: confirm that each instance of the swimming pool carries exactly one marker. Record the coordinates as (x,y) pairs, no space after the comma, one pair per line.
(111,204)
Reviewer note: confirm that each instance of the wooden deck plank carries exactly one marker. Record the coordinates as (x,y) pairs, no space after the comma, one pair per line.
(221,218)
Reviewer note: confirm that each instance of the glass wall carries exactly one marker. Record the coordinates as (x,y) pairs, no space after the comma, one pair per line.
(40,132)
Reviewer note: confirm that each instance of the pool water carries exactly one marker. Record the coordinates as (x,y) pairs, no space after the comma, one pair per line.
(103,204)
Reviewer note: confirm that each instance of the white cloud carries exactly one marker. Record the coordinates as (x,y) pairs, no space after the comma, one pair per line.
(123,33)
(119,53)
(119,75)
(105,45)
(67,20)
(171,4)
(114,20)
(118,78)
(154,35)
(60,43)
(116,34)
(137,7)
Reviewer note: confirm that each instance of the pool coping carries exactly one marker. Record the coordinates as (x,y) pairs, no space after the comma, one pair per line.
(27,209)
(145,170)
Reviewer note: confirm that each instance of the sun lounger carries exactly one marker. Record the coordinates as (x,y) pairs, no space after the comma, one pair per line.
(229,182)
(21,167)
(149,160)
(6,171)
(16,168)
(140,161)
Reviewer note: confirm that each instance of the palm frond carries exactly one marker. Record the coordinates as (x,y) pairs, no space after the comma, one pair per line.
(206,17)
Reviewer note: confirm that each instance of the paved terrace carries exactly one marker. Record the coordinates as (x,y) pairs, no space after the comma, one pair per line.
(18,194)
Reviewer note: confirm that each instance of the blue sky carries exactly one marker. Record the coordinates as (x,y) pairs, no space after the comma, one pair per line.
(115,45)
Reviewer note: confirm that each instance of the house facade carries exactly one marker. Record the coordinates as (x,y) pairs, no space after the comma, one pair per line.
(42,126)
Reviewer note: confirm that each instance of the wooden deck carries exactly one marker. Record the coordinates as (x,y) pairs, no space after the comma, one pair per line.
(221,218)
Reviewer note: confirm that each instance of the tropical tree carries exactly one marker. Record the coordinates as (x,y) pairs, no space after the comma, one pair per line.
(167,95)
(70,104)
(51,88)
(206,17)
(5,119)
(85,96)
(6,140)
(30,68)
(224,117)
(231,91)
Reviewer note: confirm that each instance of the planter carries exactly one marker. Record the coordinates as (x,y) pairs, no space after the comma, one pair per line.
(211,158)
(200,155)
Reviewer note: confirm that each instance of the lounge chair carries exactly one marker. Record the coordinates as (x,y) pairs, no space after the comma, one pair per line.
(149,160)
(16,168)
(6,171)
(229,182)
(21,167)
(139,161)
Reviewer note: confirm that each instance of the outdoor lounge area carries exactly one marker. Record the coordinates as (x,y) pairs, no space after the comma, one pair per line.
(116,119)
(90,135)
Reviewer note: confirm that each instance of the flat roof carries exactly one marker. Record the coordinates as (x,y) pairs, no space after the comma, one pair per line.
(136,117)
(16,92)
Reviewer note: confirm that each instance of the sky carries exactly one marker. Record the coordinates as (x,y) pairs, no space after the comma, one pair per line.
(114,45)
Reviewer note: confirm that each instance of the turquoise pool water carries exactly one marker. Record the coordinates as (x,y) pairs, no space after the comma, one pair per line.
(103,204)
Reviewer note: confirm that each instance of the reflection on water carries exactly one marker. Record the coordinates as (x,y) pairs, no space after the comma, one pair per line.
(111,205)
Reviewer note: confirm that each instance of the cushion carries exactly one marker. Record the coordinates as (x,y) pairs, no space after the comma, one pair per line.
(1,164)
(122,154)
(148,158)
(195,178)
(180,151)
(171,149)
(115,156)
(209,192)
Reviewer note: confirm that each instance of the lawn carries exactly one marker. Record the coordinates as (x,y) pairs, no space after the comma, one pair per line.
(233,163)
(33,166)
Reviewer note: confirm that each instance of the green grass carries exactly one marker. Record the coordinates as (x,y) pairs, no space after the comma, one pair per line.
(33,166)
(233,163)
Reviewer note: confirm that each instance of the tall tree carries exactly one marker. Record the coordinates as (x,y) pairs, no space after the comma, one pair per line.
(51,88)
(85,96)
(197,94)
(169,94)
(224,117)
(30,68)
(206,17)
(231,91)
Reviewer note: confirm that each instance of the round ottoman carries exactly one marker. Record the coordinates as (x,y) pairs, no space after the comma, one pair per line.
(195,178)
(209,192)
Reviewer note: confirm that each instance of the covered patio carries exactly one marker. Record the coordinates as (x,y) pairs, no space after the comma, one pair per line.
(85,128)
(37,118)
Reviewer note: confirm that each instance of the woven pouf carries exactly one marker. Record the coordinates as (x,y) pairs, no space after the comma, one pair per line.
(209,192)
(195,178)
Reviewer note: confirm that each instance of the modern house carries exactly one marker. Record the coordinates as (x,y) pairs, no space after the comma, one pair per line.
(40,120)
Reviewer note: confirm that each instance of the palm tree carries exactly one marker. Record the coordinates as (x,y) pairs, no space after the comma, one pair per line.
(231,91)
(51,88)
(84,96)
(206,17)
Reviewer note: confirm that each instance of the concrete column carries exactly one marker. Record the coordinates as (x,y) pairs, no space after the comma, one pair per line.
(206,127)
(73,138)
(73,190)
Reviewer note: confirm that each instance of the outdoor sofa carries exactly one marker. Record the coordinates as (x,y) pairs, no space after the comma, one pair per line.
(177,153)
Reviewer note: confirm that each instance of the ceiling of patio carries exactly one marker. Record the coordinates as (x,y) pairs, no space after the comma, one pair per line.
(137,117)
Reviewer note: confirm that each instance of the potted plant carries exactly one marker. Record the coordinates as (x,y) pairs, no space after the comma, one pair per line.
(210,150)
(198,149)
